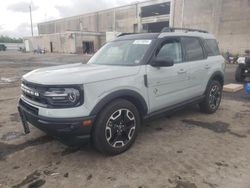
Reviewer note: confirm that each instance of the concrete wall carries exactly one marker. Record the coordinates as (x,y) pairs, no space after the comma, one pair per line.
(228,20)
(64,42)
(120,19)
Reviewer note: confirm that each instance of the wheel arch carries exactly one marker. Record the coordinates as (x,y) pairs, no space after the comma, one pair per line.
(218,76)
(130,95)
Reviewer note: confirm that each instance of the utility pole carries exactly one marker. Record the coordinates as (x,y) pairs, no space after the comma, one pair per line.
(31,24)
(182,14)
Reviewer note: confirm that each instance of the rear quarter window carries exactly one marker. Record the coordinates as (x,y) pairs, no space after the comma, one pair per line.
(212,48)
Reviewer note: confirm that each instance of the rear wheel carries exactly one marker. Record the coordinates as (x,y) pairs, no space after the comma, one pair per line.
(213,97)
(116,127)
(239,74)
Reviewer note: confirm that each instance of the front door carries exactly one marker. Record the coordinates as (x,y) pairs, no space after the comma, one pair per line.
(168,86)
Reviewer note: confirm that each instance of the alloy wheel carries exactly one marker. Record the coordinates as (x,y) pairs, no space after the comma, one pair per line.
(120,128)
(214,97)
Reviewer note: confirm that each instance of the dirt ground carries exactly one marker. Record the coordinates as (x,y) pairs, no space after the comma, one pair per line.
(186,149)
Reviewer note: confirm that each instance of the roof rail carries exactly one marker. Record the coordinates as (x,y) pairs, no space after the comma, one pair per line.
(123,34)
(173,29)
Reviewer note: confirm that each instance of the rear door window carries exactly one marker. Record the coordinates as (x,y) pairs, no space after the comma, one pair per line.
(193,49)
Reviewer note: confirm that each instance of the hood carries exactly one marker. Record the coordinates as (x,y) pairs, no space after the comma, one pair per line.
(78,74)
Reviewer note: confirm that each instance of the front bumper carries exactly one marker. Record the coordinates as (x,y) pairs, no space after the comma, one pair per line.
(70,131)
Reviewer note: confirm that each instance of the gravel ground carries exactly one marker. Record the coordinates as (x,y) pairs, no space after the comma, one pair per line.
(186,149)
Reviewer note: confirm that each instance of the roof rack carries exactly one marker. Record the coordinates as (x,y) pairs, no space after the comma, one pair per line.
(123,34)
(173,29)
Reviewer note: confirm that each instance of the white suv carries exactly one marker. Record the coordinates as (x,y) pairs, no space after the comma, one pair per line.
(127,81)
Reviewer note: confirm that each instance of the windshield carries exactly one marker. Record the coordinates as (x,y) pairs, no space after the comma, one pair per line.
(127,52)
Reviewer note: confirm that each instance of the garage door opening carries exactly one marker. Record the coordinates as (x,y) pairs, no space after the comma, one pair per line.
(87,47)
(155,27)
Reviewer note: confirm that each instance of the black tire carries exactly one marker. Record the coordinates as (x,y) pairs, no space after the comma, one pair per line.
(113,127)
(213,97)
(239,74)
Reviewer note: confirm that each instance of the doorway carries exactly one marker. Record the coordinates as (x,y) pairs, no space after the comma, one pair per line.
(51,47)
(87,47)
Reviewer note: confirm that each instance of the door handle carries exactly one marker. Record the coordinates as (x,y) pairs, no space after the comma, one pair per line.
(207,67)
(182,71)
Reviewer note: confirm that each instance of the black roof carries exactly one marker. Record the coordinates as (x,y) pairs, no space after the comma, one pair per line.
(135,36)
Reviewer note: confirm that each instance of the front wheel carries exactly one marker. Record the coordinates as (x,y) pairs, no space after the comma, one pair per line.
(116,127)
(213,97)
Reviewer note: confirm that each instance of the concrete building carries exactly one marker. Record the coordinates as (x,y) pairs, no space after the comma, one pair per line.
(228,20)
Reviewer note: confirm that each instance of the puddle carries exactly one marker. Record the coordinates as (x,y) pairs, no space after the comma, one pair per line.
(37,183)
(8,80)
(217,127)
(30,178)
(185,184)
(11,136)
(7,149)
(3,79)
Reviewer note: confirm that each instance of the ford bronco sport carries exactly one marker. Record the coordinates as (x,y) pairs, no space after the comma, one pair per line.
(132,78)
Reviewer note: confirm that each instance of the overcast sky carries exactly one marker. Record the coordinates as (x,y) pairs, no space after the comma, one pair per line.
(15,20)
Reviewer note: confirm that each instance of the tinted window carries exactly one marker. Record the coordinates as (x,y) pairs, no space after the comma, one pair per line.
(193,48)
(171,49)
(212,47)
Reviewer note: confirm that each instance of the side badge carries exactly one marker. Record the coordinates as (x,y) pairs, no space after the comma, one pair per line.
(155,91)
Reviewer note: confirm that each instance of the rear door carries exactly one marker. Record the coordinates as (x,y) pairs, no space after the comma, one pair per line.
(195,58)
(214,62)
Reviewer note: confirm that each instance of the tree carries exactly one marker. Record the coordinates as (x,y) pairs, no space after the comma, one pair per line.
(6,39)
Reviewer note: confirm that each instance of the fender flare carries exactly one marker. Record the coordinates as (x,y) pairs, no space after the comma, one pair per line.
(216,75)
(130,95)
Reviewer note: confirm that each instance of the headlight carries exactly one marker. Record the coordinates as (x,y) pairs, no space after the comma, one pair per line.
(63,97)
(241,60)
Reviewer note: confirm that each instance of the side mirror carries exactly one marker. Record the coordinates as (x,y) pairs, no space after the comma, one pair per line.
(160,62)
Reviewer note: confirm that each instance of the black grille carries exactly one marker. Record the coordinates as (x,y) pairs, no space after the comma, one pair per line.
(35,92)
(35,88)
(28,107)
